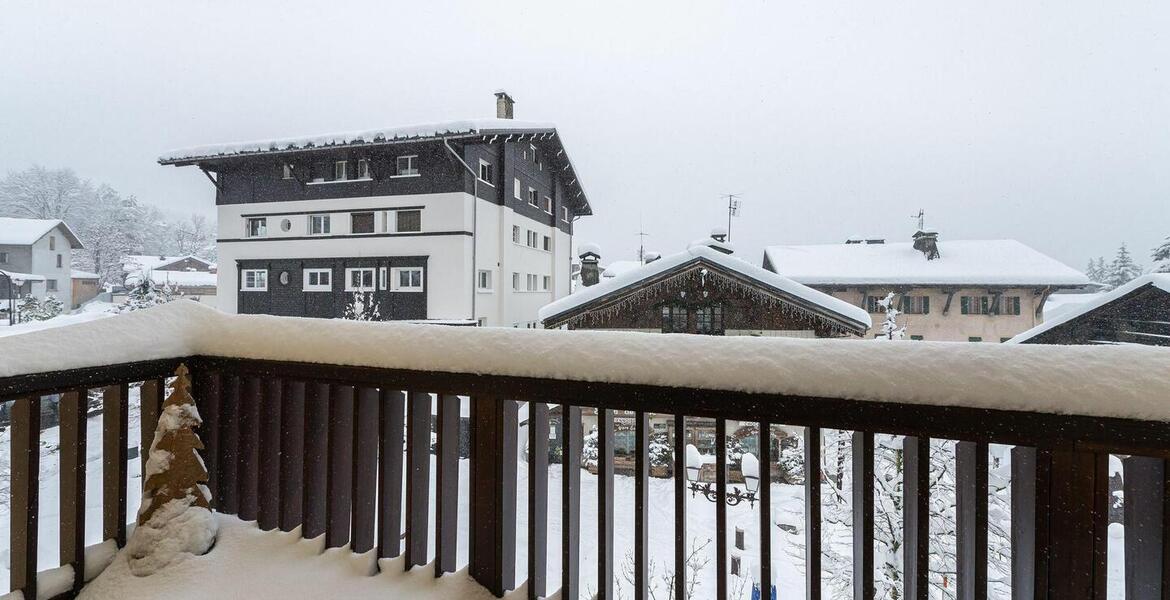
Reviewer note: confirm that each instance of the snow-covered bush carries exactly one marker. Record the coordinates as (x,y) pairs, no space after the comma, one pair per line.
(32,309)
(890,328)
(661,454)
(145,294)
(589,450)
(362,306)
(175,519)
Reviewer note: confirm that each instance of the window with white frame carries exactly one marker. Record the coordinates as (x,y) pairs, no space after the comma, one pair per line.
(533,239)
(340,169)
(286,171)
(546,244)
(516,234)
(50,285)
(359,279)
(483,280)
(406,166)
(530,282)
(548,205)
(318,280)
(382,279)
(532,154)
(254,280)
(408,220)
(516,281)
(532,197)
(516,188)
(363,169)
(485,171)
(406,279)
(256,227)
(545,283)
(565,214)
(318,224)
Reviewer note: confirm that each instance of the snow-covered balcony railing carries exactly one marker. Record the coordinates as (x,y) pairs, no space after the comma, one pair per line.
(330,427)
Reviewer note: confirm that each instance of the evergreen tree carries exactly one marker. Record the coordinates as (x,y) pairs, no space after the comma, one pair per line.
(51,306)
(175,517)
(1161,257)
(144,295)
(1122,270)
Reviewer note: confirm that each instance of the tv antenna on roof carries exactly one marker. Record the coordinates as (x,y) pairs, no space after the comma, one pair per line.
(642,235)
(733,204)
(921,216)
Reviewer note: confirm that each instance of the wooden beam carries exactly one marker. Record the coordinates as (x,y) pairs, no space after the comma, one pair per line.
(72,472)
(1146,504)
(971,520)
(812,512)
(916,517)
(24,504)
(115,409)
(213,179)
(571,501)
(863,474)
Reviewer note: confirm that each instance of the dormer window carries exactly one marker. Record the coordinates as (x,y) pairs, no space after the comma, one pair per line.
(407,166)
(339,170)
(363,169)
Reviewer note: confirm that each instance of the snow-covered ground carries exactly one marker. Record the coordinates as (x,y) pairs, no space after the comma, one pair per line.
(90,312)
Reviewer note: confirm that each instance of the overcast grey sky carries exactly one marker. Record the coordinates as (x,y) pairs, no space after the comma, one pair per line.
(1048,122)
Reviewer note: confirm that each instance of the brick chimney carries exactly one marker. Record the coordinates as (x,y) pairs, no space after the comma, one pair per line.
(504,104)
(590,257)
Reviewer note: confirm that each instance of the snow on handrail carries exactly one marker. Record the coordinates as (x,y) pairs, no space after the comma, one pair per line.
(1107,381)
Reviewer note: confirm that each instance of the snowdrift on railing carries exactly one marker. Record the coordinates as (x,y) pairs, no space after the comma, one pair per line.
(1116,381)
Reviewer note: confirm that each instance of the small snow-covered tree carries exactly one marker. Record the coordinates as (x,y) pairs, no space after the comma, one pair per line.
(1122,270)
(175,518)
(363,307)
(890,328)
(145,294)
(51,306)
(32,309)
(1161,256)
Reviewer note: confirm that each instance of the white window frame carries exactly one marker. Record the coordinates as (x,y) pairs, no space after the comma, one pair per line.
(515,281)
(411,169)
(307,286)
(382,278)
(341,170)
(516,188)
(565,214)
(532,240)
(530,282)
(327,221)
(287,172)
(263,227)
(548,205)
(533,156)
(545,283)
(363,168)
(483,281)
(350,287)
(533,197)
(546,243)
(485,167)
(396,275)
(258,285)
(515,234)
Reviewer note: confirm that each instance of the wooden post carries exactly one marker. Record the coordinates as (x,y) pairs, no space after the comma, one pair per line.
(72,472)
(25,495)
(605,552)
(447,485)
(150,397)
(680,505)
(493,498)
(316,476)
(338,506)
(766,526)
(812,513)
(916,516)
(641,505)
(537,500)
(1024,524)
(268,474)
(418,478)
(1146,503)
(114,456)
(365,469)
(570,501)
(229,444)
(292,455)
(390,432)
(863,584)
(971,519)
(1072,519)
(248,450)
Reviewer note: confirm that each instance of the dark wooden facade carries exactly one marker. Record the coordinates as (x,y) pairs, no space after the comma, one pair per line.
(705,298)
(1141,316)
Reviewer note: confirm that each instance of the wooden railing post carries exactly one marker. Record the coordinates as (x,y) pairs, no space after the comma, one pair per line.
(73,443)
(114,439)
(537,499)
(25,495)
(863,558)
(1072,519)
(1146,503)
(916,521)
(493,493)
(570,501)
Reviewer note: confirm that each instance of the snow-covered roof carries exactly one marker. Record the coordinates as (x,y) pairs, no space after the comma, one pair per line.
(619,267)
(23,276)
(175,278)
(75,274)
(138,262)
(1058,304)
(614,285)
(962,262)
(22,232)
(1108,381)
(1157,280)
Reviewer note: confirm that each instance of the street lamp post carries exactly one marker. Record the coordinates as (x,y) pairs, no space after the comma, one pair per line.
(750,467)
(11,297)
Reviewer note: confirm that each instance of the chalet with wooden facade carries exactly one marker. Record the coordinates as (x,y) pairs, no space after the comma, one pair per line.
(463,220)
(1135,313)
(966,290)
(704,290)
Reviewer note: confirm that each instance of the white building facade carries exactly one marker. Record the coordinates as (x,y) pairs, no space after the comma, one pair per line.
(467,222)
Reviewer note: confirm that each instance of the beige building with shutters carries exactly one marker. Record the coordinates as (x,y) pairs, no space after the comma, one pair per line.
(955,291)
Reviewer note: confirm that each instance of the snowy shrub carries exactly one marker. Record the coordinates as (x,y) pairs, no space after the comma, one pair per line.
(589,450)
(890,328)
(51,306)
(362,306)
(145,294)
(661,454)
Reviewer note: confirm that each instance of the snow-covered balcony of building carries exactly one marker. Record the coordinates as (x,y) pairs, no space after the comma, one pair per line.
(351,459)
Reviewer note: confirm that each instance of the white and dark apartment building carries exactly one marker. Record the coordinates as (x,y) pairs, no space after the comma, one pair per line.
(456,221)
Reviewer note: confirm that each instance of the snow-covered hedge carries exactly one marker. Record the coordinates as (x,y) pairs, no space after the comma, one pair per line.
(1123,381)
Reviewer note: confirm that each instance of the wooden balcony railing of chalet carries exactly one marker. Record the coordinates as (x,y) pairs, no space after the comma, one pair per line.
(304,422)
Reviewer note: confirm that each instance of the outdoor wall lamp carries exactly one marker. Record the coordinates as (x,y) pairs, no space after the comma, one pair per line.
(750,466)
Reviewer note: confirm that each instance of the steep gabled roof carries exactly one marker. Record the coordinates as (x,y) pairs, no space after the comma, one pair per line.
(454,130)
(826,306)
(23,232)
(962,262)
(1160,281)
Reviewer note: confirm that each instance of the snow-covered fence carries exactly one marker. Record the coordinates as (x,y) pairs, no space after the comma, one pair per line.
(326,425)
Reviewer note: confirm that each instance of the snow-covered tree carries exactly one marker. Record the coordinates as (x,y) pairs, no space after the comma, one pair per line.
(1122,270)
(29,309)
(40,193)
(890,328)
(363,306)
(145,294)
(175,518)
(1161,256)
(51,306)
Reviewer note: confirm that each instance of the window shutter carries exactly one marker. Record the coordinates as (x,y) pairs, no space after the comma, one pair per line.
(926,305)
(964,305)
